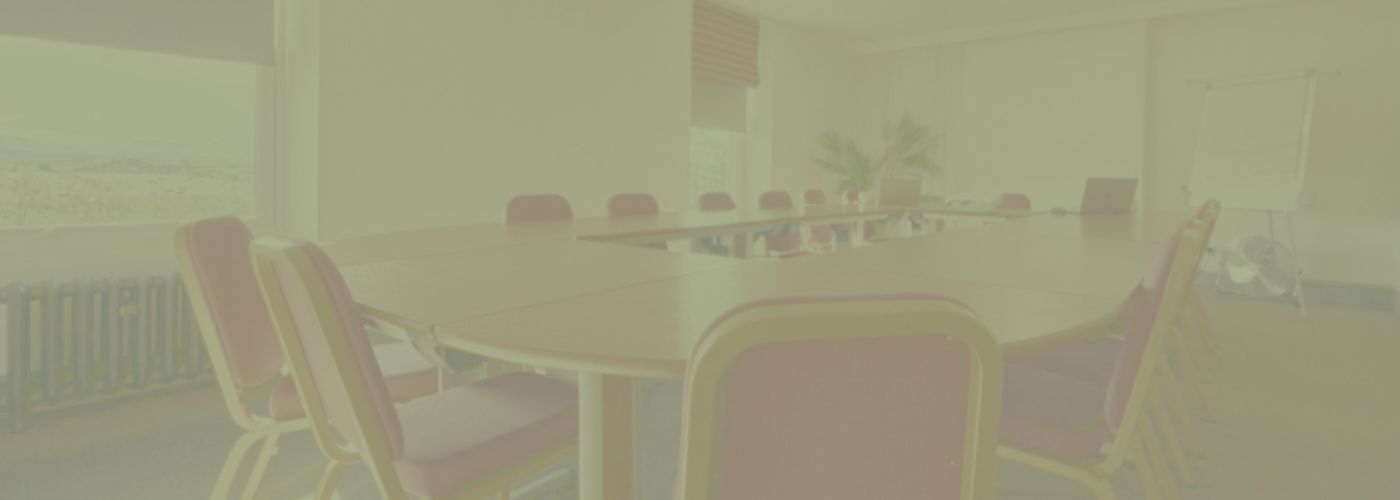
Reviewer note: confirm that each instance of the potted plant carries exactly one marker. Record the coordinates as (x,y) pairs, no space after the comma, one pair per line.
(908,150)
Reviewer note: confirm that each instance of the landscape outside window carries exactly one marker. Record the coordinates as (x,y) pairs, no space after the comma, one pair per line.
(715,155)
(93,136)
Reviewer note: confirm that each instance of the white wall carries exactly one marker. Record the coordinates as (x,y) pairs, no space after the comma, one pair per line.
(806,91)
(1354,160)
(1043,113)
(996,113)
(1035,114)
(927,84)
(438,112)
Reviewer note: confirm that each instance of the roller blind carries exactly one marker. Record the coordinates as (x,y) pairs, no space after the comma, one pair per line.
(724,45)
(236,30)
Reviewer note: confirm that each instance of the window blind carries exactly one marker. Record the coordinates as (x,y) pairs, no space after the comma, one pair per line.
(724,45)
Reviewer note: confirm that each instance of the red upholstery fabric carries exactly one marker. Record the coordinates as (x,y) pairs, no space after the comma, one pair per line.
(814,197)
(1091,361)
(1014,201)
(538,208)
(1052,414)
(326,377)
(469,432)
(218,250)
(1138,318)
(775,200)
(716,202)
(845,418)
(783,243)
(632,204)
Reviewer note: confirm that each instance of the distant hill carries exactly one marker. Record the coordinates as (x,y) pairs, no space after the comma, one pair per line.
(17,151)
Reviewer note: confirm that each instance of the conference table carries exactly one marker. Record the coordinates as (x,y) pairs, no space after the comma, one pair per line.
(567,296)
(670,226)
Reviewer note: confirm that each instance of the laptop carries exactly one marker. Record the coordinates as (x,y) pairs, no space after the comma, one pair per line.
(1108,196)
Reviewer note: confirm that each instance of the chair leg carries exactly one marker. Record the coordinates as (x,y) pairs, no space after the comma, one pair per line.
(1177,404)
(269,448)
(231,464)
(1169,438)
(1179,339)
(1157,460)
(330,477)
(1192,340)
(1192,376)
(1143,464)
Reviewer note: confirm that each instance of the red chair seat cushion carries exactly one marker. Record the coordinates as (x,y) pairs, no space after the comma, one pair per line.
(407,374)
(466,433)
(1090,361)
(1052,414)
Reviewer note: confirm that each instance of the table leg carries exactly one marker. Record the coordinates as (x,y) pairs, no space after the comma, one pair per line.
(741,245)
(606,440)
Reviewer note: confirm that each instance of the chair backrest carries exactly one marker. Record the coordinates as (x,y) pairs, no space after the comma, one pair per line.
(1147,319)
(238,335)
(814,197)
(894,396)
(331,356)
(1209,212)
(1014,201)
(716,201)
(538,208)
(852,196)
(775,200)
(632,204)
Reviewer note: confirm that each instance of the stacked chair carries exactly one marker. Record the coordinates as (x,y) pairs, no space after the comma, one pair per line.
(538,208)
(632,205)
(783,242)
(1082,409)
(248,361)
(474,441)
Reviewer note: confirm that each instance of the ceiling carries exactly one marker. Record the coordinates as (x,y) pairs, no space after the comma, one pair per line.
(875,20)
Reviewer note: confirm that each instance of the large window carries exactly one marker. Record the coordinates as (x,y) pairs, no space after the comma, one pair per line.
(715,157)
(92,135)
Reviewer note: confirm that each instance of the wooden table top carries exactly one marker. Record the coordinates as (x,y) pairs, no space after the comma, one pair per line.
(693,224)
(423,292)
(1155,226)
(434,241)
(534,295)
(1097,267)
(651,329)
